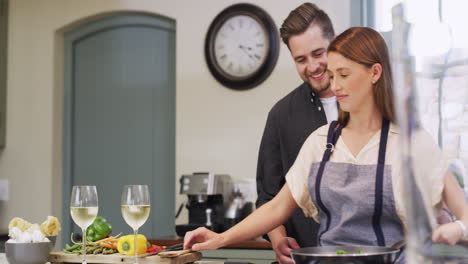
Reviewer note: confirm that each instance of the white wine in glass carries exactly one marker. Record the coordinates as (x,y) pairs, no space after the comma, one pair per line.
(84,209)
(135,215)
(135,207)
(83,216)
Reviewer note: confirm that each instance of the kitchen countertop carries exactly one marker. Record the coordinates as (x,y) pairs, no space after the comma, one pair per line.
(259,243)
(181,259)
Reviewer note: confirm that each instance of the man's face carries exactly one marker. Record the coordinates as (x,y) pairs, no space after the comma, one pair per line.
(309,51)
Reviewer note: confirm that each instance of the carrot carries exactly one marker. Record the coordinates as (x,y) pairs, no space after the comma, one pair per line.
(106,244)
(110,238)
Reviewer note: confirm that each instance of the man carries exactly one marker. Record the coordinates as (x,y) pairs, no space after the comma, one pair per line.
(307,32)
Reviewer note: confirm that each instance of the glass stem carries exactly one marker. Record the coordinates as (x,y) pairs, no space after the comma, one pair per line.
(83,255)
(135,249)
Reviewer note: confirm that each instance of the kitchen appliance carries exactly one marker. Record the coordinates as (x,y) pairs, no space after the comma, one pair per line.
(238,209)
(348,254)
(209,195)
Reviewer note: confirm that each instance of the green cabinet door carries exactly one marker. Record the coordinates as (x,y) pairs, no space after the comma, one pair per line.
(120,115)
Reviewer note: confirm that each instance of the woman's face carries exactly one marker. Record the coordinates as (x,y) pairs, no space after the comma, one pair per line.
(351,82)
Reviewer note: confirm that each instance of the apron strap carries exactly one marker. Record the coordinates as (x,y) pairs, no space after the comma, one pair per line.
(332,138)
(379,184)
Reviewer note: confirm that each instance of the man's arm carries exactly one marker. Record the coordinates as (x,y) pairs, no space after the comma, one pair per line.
(282,245)
(270,172)
(270,178)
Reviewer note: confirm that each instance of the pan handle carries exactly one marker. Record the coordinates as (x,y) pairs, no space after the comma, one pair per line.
(400,245)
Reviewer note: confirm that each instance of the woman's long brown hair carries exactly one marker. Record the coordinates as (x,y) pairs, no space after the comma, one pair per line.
(367,47)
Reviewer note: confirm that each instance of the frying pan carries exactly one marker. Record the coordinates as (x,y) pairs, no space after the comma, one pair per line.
(352,255)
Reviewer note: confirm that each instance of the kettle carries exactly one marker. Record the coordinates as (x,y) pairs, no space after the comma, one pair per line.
(238,209)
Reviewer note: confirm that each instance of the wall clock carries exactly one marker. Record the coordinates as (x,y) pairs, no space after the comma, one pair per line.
(242,46)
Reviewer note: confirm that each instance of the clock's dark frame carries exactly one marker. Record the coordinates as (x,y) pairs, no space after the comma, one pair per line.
(268,65)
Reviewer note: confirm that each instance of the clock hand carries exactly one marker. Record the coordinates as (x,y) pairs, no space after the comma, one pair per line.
(249,48)
(253,52)
(243,48)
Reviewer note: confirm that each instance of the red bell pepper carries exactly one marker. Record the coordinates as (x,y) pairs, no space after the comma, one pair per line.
(154,249)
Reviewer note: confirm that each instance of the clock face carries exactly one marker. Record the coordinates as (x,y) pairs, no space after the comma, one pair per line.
(240,46)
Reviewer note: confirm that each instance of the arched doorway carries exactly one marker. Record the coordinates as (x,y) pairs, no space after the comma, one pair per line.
(119,115)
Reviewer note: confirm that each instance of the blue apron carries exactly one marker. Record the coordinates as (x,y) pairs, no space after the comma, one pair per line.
(355,202)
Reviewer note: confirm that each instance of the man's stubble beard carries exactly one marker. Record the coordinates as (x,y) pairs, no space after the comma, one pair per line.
(324,89)
(321,91)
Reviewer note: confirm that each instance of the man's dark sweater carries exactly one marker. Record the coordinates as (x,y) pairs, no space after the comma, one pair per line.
(289,123)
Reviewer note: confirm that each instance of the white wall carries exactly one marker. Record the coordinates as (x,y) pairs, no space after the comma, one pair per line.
(218,129)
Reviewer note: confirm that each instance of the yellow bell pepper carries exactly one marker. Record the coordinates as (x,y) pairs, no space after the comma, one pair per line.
(125,245)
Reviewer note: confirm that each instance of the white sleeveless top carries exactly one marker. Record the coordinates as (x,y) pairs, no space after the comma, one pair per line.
(425,152)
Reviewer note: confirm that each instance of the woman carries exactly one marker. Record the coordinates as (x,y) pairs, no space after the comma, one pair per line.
(347,175)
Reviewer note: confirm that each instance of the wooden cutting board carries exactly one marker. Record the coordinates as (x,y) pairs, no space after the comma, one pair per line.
(185,257)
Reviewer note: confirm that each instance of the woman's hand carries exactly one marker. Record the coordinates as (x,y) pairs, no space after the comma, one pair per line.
(448,234)
(202,239)
(454,198)
(283,248)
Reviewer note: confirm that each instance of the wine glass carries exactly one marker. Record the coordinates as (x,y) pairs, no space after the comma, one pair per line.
(135,208)
(84,209)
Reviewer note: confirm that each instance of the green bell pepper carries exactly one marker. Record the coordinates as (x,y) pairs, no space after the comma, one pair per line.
(99,229)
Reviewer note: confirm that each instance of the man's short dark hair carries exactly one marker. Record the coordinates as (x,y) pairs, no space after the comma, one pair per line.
(301,18)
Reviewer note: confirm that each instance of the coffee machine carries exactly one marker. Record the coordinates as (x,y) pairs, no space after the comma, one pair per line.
(208,197)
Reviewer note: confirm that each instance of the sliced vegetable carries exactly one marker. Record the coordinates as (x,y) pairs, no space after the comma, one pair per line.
(154,249)
(91,247)
(342,252)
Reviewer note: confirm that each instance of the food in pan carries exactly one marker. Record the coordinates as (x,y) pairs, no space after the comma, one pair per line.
(342,252)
